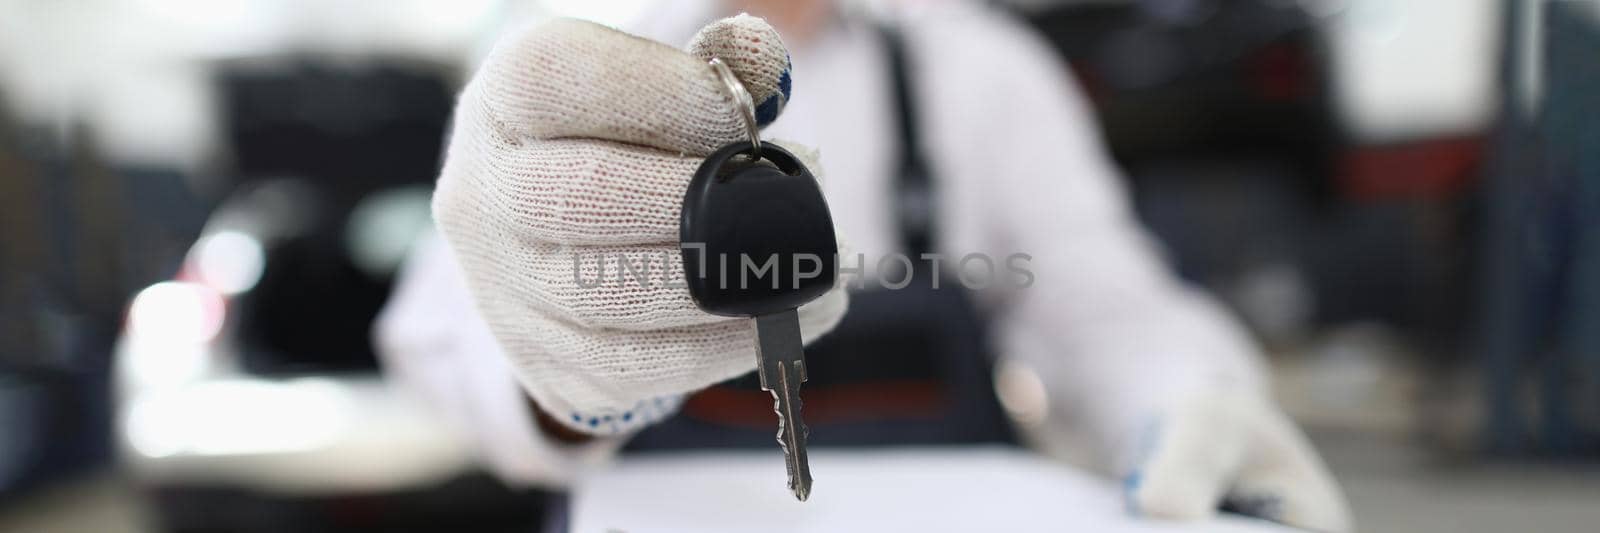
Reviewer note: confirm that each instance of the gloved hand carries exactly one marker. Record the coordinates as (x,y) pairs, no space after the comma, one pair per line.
(1235,450)
(572,148)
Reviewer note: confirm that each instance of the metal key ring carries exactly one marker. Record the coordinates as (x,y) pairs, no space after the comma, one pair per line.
(742,99)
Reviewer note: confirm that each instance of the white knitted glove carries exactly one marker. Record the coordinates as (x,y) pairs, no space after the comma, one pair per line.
(1235,449)
(575,143)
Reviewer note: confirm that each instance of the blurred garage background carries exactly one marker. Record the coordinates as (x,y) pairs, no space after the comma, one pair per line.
(203,202)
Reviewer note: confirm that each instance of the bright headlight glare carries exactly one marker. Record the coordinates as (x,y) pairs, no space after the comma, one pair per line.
(237,417)
(176,313)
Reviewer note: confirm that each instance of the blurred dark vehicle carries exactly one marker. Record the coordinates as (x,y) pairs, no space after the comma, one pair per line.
(1222,114)
(249,397)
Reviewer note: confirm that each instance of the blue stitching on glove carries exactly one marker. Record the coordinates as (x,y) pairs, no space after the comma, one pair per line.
(1130,484)
(768,110)
(643,412)
(1135,477)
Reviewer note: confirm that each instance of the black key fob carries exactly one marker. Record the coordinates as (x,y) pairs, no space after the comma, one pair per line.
(756,234)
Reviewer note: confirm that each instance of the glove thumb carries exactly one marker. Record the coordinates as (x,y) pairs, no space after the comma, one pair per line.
(755,54)
(1283,480)
(1234,451)
(1188,457)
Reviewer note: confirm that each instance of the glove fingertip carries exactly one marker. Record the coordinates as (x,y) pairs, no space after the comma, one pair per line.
(757,56)
(1172,501)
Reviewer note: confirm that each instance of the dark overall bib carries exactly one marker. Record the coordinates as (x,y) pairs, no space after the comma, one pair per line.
(908,366)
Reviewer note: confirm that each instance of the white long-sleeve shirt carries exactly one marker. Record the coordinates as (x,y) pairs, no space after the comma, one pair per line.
(1114,338)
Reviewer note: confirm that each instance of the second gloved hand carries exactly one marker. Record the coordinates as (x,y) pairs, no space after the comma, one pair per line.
(1233,449)
(572,148)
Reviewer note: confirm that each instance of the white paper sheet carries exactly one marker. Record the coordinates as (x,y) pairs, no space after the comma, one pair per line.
(950,489)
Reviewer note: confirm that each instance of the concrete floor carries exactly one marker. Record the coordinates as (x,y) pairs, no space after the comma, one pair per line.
(104,504)
(1393,487)
(1397,488)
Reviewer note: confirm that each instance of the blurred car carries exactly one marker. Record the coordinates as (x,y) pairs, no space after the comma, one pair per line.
(232,373)
(251,372)
(248,394)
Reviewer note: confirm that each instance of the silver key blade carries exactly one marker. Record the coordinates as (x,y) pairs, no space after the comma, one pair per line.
(782,367)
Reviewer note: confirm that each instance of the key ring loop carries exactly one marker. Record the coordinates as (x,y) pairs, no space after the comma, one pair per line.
(742,99)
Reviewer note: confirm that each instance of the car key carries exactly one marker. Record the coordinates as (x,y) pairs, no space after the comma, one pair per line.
(763,211)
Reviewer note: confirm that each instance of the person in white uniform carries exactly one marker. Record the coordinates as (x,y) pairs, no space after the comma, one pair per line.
(573,138)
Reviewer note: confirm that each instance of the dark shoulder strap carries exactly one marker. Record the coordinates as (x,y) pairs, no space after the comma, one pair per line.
(914,187)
